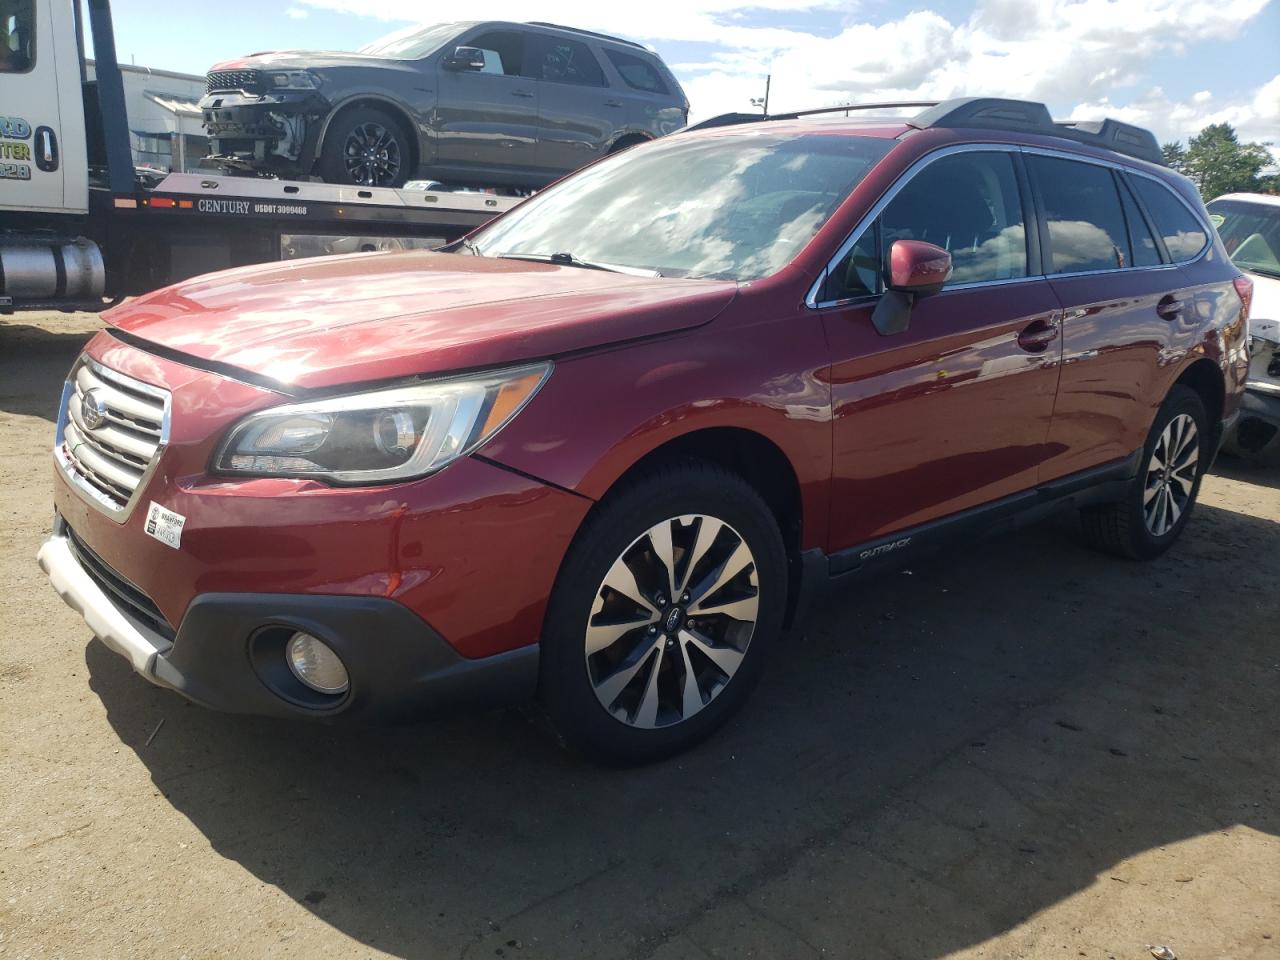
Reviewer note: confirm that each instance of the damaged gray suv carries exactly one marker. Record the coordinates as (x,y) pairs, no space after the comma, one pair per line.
(491,104)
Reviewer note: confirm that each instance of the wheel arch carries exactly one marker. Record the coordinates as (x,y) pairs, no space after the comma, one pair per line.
(628,138)
(756,459)
(1206,378)
(398,112)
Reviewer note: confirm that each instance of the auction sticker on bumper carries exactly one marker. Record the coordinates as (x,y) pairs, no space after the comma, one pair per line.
(165,525)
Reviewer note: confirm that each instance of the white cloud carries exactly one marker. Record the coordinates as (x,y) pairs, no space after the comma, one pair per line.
(1091,53)
(297,13)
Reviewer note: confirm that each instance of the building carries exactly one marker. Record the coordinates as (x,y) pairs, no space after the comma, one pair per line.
(165,123)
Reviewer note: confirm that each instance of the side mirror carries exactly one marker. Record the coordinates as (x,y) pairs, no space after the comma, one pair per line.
(915,269)
(465,58)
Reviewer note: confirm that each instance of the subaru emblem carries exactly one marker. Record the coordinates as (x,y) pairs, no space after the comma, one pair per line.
(93,410)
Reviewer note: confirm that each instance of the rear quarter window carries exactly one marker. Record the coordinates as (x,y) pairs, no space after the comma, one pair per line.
(1183,234)
(638,73)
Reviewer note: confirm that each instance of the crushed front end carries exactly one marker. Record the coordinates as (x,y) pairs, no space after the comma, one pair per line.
(261,120)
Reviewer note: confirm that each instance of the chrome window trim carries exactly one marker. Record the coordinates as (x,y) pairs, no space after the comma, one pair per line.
(87,491)
(811,298)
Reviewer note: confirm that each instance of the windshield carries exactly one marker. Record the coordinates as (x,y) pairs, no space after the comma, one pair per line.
(412,43)
(1251,232)
(735,207)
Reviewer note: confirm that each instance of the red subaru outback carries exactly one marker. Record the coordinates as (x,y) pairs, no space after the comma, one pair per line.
(603,449)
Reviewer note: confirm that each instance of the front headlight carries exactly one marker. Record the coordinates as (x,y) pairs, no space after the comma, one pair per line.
(293,80)
(399,433)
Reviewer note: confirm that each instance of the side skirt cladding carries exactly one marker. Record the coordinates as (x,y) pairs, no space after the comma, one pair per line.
(1103,484)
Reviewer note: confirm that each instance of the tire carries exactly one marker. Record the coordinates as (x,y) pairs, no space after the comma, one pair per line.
(627,142)
(365,146)
(1156,507)
(663,672)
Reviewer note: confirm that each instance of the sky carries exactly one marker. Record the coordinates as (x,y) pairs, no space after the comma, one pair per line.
(1171,65)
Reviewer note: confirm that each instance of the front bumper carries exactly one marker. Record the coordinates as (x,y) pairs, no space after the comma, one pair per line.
(433,591)
(275,129)
(228,651)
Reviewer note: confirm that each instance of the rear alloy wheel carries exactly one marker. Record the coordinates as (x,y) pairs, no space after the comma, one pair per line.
(365,147)
(1171,475)
(1158,502)
(662,614)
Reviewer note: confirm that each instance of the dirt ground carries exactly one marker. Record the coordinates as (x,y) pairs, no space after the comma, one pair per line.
(1024,751)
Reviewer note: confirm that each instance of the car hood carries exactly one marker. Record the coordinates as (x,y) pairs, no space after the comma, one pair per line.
(332,321)
(301,60)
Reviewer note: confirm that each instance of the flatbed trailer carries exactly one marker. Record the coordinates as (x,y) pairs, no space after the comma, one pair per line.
(80,228)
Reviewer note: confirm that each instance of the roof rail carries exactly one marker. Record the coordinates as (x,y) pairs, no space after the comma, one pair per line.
(588,33)
(988,113)
(730,119)
(995,113)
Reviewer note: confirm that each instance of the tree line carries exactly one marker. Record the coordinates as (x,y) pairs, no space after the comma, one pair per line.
(1217,162)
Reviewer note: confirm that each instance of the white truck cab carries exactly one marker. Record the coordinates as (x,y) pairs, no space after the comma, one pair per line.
(43,155)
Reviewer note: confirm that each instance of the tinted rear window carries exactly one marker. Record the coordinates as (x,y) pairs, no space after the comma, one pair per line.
(638,73)
(1183,235)
(563,61)
(1086,224)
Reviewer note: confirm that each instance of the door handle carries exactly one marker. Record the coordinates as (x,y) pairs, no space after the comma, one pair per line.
(613,103)
(1037,335)
(1169,307)
(46,149)
(522,93)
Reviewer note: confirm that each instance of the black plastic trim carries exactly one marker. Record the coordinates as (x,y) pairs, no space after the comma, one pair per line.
(1097,485)
(400,667)
(212,366)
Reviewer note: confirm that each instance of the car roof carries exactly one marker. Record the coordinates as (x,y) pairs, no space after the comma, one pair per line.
(1265,199)
(1022,121)
(885,128)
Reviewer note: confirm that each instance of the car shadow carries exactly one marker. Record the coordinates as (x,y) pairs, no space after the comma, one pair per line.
(34,362)
(1247,471)
(945,752)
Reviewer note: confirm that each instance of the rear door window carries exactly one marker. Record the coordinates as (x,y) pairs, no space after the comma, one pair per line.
(1183,235)
(637,72)
(1084,215)
(561,60)
(1145,251)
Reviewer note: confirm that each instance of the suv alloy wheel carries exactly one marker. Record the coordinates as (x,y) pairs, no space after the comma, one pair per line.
(632,670)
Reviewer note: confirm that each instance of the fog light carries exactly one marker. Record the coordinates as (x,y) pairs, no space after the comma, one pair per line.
(315,664)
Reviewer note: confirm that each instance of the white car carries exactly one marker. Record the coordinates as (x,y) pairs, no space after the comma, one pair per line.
(1250,227)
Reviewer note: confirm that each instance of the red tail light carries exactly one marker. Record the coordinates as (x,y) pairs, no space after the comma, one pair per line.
(1244,287)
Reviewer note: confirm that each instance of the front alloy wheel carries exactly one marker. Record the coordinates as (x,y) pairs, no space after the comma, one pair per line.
(672,621)
(371,153)
(663,613)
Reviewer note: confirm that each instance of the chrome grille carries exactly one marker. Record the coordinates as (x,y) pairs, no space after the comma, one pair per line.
(250,81)
(110,432)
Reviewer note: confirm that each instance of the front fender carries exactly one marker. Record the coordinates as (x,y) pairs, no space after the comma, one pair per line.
(600,414)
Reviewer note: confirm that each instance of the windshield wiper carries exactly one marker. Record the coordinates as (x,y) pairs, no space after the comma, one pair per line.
(569,260)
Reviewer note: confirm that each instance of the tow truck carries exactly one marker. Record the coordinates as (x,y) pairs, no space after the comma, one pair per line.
(81,228)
